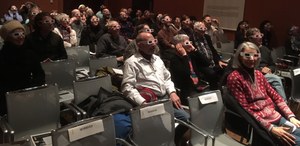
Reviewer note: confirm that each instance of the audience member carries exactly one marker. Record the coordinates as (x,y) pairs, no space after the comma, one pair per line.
(132,47)
(292,45)
(76,23)
(111,43)
(13,14)
(266,65)
(91,33)
(177,23)
(240,33)
(184,72)
(165,37)
(127,27)
(106,16)
(259,99)
(213,30)
(24,11)
(266,29)
(146,70)
(20,66)
(186,26)
(29,27)
(99,13)
(43,41)
(211,64)
(138,16)
(65,31)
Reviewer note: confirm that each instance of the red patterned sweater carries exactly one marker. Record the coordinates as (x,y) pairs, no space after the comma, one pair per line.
(259,102)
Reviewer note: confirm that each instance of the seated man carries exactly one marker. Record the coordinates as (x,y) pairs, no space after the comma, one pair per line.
(211,64)
(266,65)
(146,70)
(111,43)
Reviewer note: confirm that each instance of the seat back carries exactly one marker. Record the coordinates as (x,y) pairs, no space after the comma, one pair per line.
(90,86)
(61,72)
(294,59)
(206,110)
(93,131)
(96,63)
(33,110)
(80,55)
(295,76)
(153,124)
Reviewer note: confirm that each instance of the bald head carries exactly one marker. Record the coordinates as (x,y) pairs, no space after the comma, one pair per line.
(146,43)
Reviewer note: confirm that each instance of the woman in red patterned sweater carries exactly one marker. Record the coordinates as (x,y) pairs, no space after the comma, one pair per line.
(258,98)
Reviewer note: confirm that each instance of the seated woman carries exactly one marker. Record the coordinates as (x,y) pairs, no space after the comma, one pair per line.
(184,72)
(91,33)
(20,67)
(65,31)
(258,98)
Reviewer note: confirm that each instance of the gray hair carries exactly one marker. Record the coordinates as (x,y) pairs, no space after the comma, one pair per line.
(179,38)
(197,25)
(236,61)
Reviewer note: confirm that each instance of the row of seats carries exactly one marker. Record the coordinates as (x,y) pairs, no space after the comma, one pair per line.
(156,121)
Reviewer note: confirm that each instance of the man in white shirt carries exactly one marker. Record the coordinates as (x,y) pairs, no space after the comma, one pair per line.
(145,69)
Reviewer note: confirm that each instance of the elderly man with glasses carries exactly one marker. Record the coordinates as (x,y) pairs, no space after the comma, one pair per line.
(145,74)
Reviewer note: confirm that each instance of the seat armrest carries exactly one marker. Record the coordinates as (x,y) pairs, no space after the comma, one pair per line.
(69,113)
(197,129)
(7,133)
(83,112)
(123,142)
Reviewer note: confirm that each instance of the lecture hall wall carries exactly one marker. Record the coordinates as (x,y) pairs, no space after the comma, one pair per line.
(282,14)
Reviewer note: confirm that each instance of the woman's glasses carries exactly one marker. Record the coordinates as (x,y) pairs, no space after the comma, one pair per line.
(18,34)
(249,55)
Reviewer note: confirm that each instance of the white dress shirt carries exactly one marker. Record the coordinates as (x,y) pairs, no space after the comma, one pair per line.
(152,74)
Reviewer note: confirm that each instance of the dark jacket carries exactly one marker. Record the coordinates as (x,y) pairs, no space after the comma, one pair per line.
(90,36)
(180,73)
(107,45)
(51,47)
(20,69)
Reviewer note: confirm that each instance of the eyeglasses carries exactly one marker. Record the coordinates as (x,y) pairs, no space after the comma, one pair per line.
(150,42)
(116,27)
(258,35)
(95,19)
(202,28)
(249,55)
(149,30)
(65,20)
(187,43)
(18,34)
(34,13)
(49,21)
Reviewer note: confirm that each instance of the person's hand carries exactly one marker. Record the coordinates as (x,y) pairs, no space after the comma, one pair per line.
(180,49)
(176,100)
(222,64)
(266,70)
(295,121)
(283,134)
(121,58)
(72,20)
